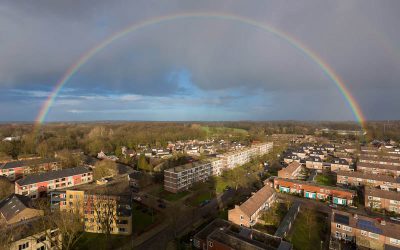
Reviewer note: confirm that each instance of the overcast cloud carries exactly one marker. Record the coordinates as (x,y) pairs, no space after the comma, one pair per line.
(199,68)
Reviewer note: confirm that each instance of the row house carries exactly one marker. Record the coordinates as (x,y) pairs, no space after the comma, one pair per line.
(357,178)
(318,154)
(382,199)
(97,209)
(291,171)
(380,154)
(366,232)
(17,169)
(341,164)
(373,168)
(336,195)
(224,235)
(183,177)
(289,158)
(314,163)
(38,185)
(248,213)
(379,160)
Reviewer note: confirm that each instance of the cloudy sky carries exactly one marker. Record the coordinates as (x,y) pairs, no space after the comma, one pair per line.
(199,68)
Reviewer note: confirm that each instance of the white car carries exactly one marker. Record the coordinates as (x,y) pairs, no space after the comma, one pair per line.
(397,219)
(137,198)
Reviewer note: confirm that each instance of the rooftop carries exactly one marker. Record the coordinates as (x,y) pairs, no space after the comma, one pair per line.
(25,163)
(52,175)
(250,206)
(186,166)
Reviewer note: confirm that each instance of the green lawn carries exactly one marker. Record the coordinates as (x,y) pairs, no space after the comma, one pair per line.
(309,229)
(197,199)
(327,180)
(223,131)
(90,241)
(160,192)
(142,218)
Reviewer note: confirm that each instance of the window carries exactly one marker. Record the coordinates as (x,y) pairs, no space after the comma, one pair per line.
(210,244)
(373,235)
(394,241)
(364,233)
(338,226)
(41,248)
(241,217)
(23,246)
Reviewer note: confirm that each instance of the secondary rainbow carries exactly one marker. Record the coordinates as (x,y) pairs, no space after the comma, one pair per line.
(295,43)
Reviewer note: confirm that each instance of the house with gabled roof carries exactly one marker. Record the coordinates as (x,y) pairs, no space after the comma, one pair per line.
(16,208)
(249,212)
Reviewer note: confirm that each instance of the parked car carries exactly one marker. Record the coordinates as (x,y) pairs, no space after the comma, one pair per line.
(332,205)
(137,198)
(397,219)
(203,203)
(162,205)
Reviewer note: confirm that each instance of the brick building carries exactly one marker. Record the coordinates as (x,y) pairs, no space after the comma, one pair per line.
(248,213)
(373,168)
(312,190)
(18,169)
(358,178)
(365,232)
(382,199)
(224,235)
(38,185)
(291,171)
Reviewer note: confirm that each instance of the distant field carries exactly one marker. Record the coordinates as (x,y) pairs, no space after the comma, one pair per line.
(218,131)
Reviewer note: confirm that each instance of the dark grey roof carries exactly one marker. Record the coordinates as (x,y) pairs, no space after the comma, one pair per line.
(27,163)
(52,175)
(13,205)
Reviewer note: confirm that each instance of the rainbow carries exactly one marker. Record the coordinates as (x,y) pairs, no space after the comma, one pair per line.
(295,43)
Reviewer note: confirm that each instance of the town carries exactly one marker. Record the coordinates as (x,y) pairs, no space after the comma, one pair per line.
(282,191)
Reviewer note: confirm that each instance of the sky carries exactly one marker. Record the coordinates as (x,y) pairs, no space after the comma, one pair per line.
(199,68)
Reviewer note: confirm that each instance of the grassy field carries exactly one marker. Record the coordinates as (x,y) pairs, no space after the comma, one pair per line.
(142,218)
(98,241)
(160,192)
(224,131)
(310,231)
(327,180)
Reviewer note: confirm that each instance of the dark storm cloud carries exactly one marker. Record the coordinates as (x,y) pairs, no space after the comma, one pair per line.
(359,39)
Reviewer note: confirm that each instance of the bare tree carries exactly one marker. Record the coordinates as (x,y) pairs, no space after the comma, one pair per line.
(6,187)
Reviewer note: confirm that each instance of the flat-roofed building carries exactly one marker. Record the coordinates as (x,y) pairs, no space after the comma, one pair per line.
(183,177)
(382,199)
(247,214)
(97,209)
(224,235)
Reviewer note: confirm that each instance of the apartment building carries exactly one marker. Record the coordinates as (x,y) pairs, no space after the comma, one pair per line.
(379,160)
(373,168)
(38,185)
(183,177)
(336,195)
(240,157)
(30,236)
(342,165)
(224,235)
(382,199)
(17,169)
(365,232)
(97,209)
(217,166)
(358,178)
(248,213)
(291,171)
